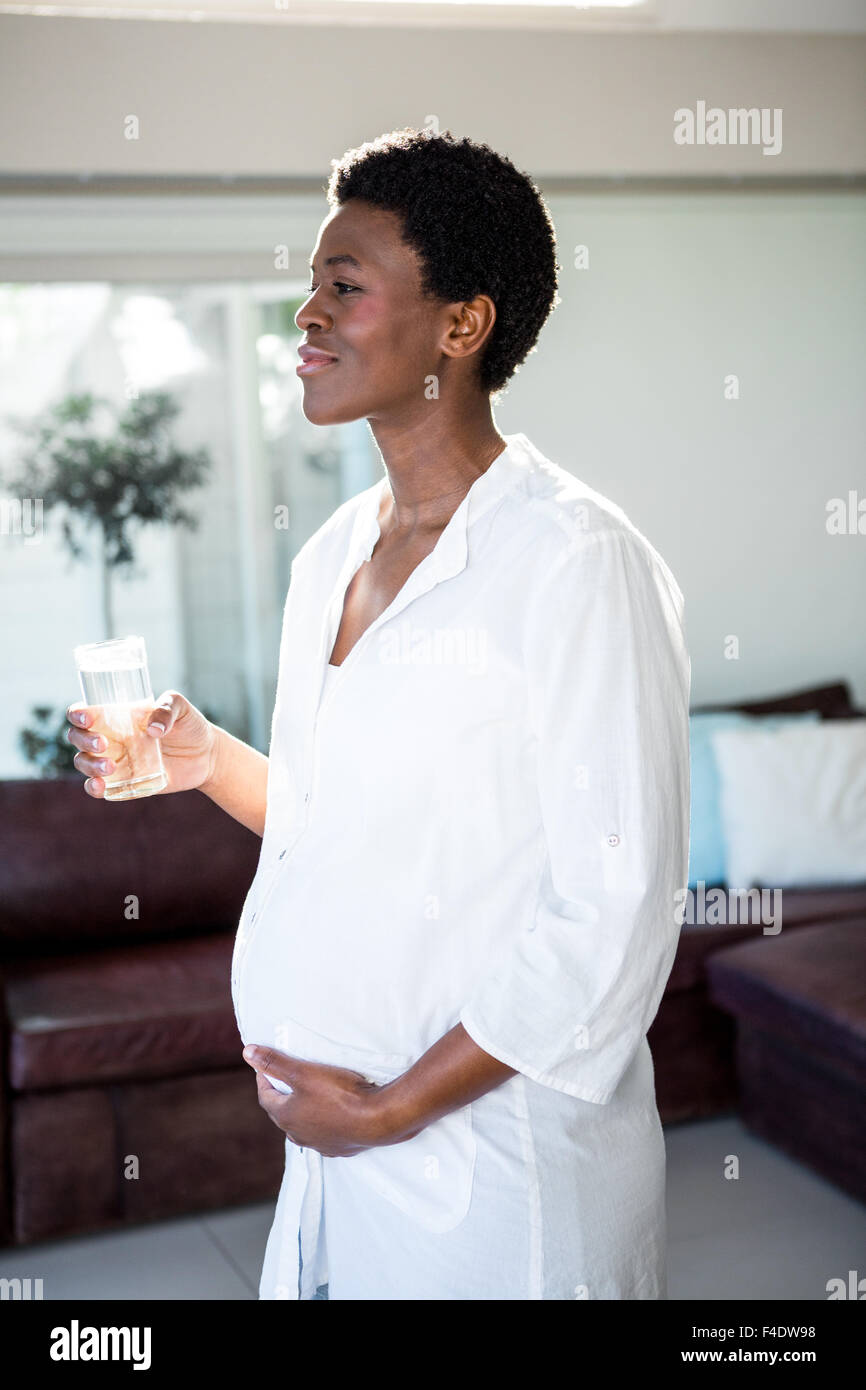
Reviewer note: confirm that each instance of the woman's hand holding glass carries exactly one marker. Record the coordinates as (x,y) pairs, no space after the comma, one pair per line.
(188,741)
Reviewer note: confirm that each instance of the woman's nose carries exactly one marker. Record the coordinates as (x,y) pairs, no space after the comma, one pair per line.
(312,314)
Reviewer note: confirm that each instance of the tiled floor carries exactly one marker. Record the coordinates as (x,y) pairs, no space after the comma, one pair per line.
(775,1232)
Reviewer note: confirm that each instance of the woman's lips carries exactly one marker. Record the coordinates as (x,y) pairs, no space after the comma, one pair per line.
(315,364)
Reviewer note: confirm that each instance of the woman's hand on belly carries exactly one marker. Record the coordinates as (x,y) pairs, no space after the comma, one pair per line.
(333,1110)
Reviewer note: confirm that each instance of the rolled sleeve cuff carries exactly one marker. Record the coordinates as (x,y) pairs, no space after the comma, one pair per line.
(545,1078)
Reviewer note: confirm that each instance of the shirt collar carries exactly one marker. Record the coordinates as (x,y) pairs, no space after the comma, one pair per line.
(510,469)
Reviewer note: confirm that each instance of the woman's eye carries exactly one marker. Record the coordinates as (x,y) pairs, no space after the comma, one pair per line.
(339,285)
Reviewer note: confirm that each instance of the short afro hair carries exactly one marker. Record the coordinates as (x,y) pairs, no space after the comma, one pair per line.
(478,225)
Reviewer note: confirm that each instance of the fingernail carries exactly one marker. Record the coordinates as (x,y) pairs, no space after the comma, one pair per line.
(249,1052)
(105,764)
(152,728)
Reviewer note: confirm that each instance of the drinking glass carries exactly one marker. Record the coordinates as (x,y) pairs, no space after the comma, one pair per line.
(114,678)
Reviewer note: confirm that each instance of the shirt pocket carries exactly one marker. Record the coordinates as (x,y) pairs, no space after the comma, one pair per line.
(429,1177)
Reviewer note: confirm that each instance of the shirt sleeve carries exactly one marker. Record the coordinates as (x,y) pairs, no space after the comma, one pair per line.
(571,996)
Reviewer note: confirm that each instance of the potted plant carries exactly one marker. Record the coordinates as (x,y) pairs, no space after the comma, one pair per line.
(109,471)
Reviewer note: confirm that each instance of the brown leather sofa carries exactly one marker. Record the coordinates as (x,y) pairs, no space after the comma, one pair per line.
(124,1095)
(799,1003)
(692,1038)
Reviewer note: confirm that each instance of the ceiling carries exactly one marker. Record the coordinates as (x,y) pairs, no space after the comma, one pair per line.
(629,16)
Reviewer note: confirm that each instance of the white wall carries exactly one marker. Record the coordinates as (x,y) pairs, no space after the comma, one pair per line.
(627,390)
(221,98)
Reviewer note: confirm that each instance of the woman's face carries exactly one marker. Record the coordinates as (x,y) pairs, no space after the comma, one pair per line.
(367,311)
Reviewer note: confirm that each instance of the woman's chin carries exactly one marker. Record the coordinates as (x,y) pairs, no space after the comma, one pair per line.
(325,412)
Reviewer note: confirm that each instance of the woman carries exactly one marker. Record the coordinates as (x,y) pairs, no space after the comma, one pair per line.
(475,809)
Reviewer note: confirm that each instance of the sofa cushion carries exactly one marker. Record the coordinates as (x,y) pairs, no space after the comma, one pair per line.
(64,1155)
(71,867)
(800,907)
(793,802)
(807,989)
(201,1142)
(707,845)
(133,1012)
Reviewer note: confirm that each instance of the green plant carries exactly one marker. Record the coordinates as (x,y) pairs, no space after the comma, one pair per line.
(46,745)
(109,470)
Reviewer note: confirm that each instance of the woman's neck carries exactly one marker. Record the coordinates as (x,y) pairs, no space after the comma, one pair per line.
(432,463)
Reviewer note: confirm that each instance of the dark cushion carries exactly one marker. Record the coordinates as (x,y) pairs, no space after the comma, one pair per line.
(800,906)
(831,701)
(70,864)
(807,989)
(202,1142)
(134,1012)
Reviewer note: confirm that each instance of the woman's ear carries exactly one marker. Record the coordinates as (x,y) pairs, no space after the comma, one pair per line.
(470,324)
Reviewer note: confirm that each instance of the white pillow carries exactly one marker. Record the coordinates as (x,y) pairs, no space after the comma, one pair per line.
(793,802)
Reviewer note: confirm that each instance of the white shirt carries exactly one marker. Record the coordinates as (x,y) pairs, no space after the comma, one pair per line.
(483,818)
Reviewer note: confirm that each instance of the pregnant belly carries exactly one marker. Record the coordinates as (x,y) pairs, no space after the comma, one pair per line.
(313,1004)
(371,984)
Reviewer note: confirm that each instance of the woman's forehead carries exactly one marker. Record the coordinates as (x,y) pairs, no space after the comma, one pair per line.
(359,236)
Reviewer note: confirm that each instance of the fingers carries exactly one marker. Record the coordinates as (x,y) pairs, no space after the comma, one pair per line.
(90,743)
(91,759)
(278,1064)
(266,1088)
(80,715)
(165,713)
(93,766)
(261,1059)
(272,1102)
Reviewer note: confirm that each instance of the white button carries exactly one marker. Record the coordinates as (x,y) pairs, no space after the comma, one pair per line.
(613,840)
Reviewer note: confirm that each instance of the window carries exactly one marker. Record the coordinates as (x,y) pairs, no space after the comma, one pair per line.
(209,601)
